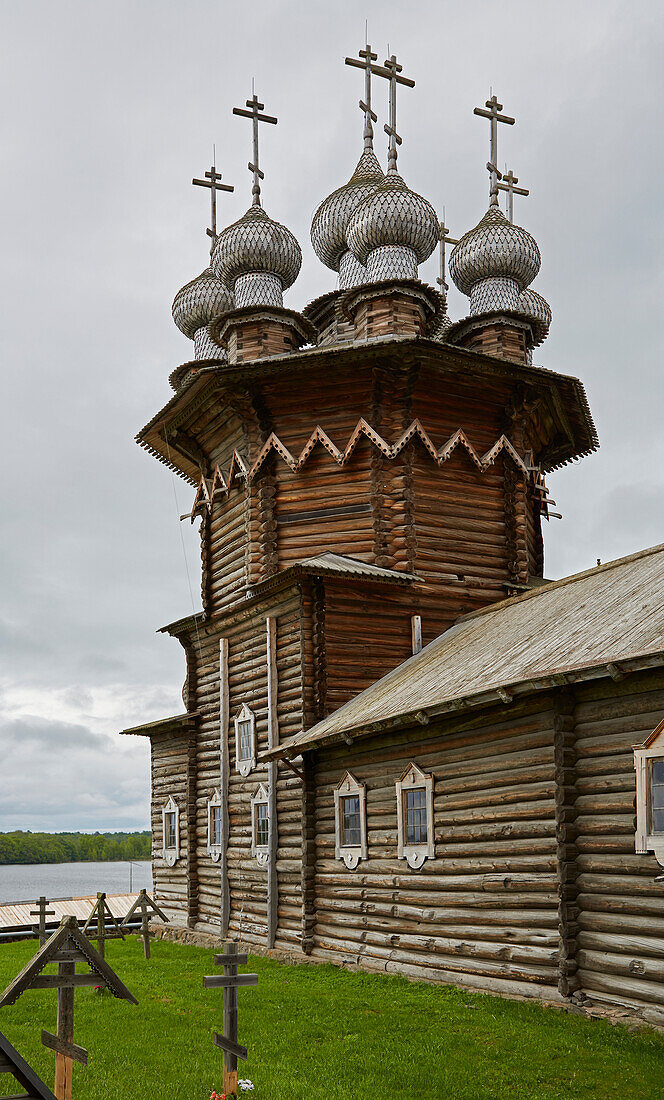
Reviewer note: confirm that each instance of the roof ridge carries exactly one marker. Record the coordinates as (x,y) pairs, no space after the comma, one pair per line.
(542,589)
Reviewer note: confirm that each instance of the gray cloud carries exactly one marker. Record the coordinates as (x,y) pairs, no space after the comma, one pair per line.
(110,111)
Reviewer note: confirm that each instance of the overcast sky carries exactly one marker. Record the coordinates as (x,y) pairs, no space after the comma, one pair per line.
(109,109)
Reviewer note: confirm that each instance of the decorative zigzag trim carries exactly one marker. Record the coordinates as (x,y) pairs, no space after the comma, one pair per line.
(218,485)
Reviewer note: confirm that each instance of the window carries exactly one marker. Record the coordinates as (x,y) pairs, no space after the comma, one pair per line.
(245,740)
(170,822)
(350,821)
(215,812)
(649,765)
(415,827)
(260,826)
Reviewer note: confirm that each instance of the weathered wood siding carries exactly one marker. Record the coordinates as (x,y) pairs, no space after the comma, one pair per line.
(484,912)
(621,907)
(170,760)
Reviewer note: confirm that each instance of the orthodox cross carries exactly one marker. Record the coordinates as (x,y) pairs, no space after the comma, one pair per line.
(444,239)
(42,913)
(144,905)
(66,947)
(391,70)
(493,114)
(212,181)
(256,117)
(229,982)
(508,183)
(101,911)
(366,58)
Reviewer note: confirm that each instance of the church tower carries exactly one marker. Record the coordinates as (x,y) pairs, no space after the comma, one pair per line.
(363,472)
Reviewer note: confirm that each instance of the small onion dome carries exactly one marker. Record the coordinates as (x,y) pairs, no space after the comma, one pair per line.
(255,243)
(393,216)
(494,249)
(441,328)
(330,222)
(204,298)
(536,309)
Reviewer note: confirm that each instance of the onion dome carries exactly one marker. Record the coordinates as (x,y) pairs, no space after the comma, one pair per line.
(538,311)
(393,230)
(494,262)
(199,301)
(330,222)
(257,258)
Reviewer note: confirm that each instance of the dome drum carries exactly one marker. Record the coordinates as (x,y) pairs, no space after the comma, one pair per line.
(261,332)
(258,288)
(391,261)
(392,308)
(492,294)
(204,347)
(351,271)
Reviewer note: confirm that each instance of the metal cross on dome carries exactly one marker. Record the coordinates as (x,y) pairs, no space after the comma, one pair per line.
(391,71)
(508,183)
(443,240)
(256,116)
(212,181)
(365,62)
(492,112)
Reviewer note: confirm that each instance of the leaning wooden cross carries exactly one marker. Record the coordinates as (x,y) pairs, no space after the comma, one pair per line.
(42,913)
(144,905)
(101,911)
(65,947)
(229,982)
(11,1062)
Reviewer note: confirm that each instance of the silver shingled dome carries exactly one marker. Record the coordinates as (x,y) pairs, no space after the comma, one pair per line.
(199,301)
(494,249)
(393,215)
(255,243)
(536,309)
(330,222)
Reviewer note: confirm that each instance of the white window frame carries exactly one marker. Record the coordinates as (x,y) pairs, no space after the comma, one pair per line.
(260,852)
(214,803)
(351,854)
(651,749)
(415,854)
(170,855)
(245,714)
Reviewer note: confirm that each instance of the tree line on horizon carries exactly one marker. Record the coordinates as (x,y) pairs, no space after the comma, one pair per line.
(27,847)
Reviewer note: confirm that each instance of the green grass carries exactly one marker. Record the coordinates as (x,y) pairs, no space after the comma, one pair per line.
(319,1032)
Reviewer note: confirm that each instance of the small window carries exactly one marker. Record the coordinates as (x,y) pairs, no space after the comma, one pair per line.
(350,819)
(215,841)
(415,827)
(170,822)
(245,740)
(649,765)
(260,826)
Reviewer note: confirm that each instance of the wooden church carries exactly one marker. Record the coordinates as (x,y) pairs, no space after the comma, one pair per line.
(402,748)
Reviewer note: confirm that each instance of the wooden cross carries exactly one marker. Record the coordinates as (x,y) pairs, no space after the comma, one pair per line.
(12,1063)
(444,239)
(365,62)
(212,181)
(391,70)
(508,183)
(101,911)
(144,905)
(493,114)
(229,982)
(256,117)
(65,947)
(42,913)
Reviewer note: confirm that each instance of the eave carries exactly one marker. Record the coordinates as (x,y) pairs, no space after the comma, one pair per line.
(176,724)
(165,438)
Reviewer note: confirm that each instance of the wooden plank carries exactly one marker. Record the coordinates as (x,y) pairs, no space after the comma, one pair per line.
(229,1046)
(225,767)
(229,981)
(63,1062)
(70,1050)
(273,741)
(65,981)
(230,960)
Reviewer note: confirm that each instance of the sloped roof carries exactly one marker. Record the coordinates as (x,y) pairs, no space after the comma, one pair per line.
(556,633)
(11,1062)
(331,564)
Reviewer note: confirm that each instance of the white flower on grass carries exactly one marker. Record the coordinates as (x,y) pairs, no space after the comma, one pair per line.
(246,1085)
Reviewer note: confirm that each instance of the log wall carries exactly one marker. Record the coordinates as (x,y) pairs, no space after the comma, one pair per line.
(171,777)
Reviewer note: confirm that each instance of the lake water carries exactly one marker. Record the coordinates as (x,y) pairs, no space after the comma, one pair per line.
(26,882)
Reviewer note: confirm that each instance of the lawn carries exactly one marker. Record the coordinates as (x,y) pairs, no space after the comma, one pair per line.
(321,1033)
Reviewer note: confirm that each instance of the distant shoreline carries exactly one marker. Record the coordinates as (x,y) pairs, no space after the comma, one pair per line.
(37,849)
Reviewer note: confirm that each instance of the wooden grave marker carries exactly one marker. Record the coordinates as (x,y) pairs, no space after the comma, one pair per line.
(101,911)
(12,1063)
(42,913)
(65,947)
(144,905)
(229,982)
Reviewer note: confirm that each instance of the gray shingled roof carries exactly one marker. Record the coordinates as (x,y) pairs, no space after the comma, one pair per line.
(556,633)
